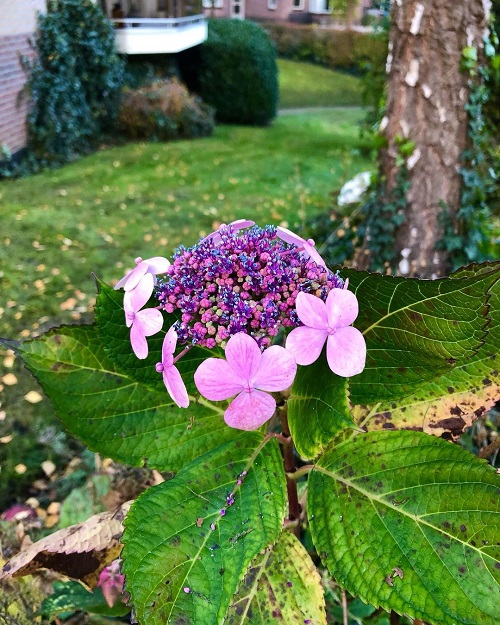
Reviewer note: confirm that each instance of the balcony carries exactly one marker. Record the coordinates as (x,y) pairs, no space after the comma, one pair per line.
(156,26)
(159,35)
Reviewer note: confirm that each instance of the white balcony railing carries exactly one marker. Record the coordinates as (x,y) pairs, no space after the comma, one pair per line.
(158,35)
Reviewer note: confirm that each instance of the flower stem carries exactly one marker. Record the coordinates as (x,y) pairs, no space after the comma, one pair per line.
(289,464)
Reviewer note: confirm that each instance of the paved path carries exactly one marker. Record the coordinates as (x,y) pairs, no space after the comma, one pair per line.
(317,109)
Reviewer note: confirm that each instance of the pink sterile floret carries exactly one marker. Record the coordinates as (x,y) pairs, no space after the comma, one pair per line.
(329,321)
(307,247)
(171,376)
(249,374)
(153,266)
(111,583)
(239,224)
(142,323)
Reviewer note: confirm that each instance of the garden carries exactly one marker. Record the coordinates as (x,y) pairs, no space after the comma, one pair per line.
(248,426)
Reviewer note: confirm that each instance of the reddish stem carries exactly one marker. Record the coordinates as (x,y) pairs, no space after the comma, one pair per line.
(289,464)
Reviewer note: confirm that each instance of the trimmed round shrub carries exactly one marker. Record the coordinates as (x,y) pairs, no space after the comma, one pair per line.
(237,72)
(163,111)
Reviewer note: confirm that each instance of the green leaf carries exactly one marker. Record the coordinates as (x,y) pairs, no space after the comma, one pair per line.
(415,330)
(72,596)
(114,414)
(179,569)
(409,522)
(77,507)
(282,584)
(450,402)
(110,320)
(318,408)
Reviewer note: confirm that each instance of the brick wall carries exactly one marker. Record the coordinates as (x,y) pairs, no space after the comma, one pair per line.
(17,23)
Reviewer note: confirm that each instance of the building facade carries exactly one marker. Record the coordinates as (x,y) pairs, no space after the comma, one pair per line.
(17,25)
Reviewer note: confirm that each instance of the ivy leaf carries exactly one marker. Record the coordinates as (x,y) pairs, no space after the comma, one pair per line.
(415,330)
(318,408)
(282,584)
(72,597)
(409,522)
(183,559)
(450,402)
(110,320)
(111,412)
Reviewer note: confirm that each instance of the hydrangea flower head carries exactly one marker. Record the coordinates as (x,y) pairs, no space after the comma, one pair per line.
(243,280)
(249,374)
(142,323)
(171,376)
(329,321)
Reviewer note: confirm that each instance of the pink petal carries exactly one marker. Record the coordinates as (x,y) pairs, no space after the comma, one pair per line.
(150,320)
(277,370)
(121,283)
(169,343)
(346,352)
(135,276)
(342,308)
(243,356)
(175,386)
(216,380)
(138,342)
(314,254)
(249,411)
(157,265)
(311,311)
(239,224)
(135,299)
(289,237)
(305,344)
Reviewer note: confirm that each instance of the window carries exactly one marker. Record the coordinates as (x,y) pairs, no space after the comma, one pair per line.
(272,4)
(213,4)
(298,5)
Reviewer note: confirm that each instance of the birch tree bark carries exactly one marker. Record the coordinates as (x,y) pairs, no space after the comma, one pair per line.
(427,94)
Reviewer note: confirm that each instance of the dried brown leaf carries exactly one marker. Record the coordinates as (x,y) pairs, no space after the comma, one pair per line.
(80,551)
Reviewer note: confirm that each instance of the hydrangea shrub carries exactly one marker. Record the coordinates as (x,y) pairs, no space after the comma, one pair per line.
(247,366)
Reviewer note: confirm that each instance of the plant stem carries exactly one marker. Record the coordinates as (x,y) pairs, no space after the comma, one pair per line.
(289,464)
(345,613)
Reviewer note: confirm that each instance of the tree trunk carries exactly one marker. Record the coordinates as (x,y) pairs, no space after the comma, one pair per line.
(426,97)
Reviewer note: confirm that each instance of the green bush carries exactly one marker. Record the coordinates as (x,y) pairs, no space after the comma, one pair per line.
(162,111)
(74,80)
(237,73)
(338,49)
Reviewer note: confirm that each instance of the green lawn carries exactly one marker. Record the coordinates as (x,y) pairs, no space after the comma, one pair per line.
(98,214)
(305,85)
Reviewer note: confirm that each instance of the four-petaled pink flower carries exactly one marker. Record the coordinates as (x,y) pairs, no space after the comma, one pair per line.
(142,323)
(171,376)
(239,224)
(111,582)
(305,246)
(328,321)
(249,374)
(150,266)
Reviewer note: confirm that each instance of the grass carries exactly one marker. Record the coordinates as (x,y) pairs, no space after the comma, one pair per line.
(99,213)
(304,85)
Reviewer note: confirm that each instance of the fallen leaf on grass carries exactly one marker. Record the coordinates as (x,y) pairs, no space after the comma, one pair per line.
(33,397)
(81,551)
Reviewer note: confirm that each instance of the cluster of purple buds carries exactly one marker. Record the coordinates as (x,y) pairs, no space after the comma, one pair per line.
(241,282)
(236,289)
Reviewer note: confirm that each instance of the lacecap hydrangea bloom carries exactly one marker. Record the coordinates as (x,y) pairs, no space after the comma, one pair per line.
(236,289)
